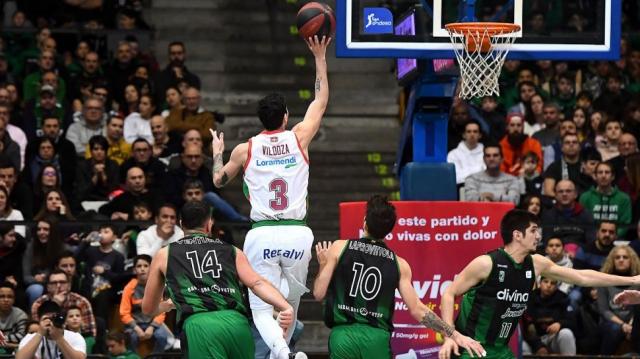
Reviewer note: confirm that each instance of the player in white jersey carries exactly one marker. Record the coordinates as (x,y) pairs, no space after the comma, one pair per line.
(276,174)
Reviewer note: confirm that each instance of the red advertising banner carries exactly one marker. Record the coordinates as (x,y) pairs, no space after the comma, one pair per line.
(437,239)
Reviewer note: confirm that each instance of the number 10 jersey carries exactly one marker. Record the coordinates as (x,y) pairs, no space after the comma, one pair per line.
(276,176)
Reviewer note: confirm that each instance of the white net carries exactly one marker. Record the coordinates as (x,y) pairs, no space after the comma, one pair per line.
(481,51)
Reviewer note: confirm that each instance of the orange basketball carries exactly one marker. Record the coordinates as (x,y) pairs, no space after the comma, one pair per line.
(474,41)
(315,19)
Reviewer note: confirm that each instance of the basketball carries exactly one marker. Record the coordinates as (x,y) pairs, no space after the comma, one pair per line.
(315,19)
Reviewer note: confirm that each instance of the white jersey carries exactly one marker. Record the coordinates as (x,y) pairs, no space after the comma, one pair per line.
(276,175)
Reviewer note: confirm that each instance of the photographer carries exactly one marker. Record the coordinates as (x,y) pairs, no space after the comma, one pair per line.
(52,341)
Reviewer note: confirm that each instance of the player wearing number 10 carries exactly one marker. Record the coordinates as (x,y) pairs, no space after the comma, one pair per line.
(496,286)
(203,276)
(276,176)
(359,279)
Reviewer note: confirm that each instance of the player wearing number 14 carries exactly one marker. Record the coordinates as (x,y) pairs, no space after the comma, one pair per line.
(276,176)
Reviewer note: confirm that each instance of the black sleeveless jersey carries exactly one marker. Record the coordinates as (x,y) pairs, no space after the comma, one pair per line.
(490,312)
(362,289)
(202,276)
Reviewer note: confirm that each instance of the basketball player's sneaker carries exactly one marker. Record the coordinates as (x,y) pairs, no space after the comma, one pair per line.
(298,355)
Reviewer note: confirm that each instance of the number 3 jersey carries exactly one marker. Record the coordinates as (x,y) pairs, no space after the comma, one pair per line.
(363,285)
(276,175)
(202,276)
(489,312)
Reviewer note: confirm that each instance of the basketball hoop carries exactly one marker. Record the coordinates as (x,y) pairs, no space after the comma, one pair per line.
(481,48)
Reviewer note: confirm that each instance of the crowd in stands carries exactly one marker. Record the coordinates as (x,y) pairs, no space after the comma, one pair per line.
(90,136)
(562,142)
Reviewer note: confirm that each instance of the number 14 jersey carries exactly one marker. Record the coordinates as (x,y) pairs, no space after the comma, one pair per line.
(276,176)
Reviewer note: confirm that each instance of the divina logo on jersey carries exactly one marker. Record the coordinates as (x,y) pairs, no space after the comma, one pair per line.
(515,296)
(378,20)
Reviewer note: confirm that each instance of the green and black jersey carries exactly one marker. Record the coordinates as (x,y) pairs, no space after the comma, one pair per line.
(362,289)
(202,276)
(490,312)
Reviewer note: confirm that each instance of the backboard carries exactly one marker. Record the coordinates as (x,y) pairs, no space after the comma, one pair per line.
(551,29)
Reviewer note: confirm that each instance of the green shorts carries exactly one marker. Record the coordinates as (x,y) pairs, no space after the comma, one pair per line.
(220,335)
(356,341)
(493,352)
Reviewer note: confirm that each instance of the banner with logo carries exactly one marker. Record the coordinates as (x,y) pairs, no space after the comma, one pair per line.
(437,239)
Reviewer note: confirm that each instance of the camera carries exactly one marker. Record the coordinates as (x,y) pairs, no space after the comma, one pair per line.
(58,320)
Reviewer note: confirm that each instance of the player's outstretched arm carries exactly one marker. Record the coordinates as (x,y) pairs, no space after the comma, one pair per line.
(581,277)
(223,173)
(428,318)
(627,297)
(308,128)
(327,255)
(263,289)
(475,272)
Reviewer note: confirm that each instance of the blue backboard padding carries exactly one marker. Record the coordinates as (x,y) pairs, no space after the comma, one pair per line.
(428,182)
(430,137)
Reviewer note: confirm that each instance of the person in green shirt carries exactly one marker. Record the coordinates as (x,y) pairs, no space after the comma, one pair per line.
(117,345)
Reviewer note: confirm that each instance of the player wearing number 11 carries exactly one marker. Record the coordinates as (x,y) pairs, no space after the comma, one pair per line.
(496,286)
(276,177)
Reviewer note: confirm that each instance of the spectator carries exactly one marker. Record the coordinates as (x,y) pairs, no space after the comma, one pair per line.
(609,147)
(8,147)
(55,205)
(175,71)
(627,145)
(13,320)
(534,119)
(140,326)
(58,290)
(458,118)
(88,125)
(606,202)
(614,98)
(104,270)
(532,204)
(492,185)
(164,145)
(47,179)
(589,160)
(40,257)
(597,121)
(564,92)
(526,90)
(20,195)
(97,176)
(516,144)
(553,152)
(37,111)
(616,323)
(550,133)
(567,219)
(120,70)
(121,207)
(66,262)
(15,132)
(467,157)
(580,117)
(12,249)
(7,213)
(131,98)
(593,254)
(73,322)
(56,342)
(33,81)
(531,177)
(191,137)
(117,345)
(142,158)
(136,125)
(90,73)
(51,129)
(44,157)
(548,326)
(192,116)
(567,167)
(119,150)
(163,232)
(172,100)
(554,250)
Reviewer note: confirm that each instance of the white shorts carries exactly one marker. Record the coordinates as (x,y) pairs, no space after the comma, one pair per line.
(280,254)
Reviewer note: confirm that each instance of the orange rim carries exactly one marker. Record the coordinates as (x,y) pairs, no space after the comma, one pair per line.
(492,28)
